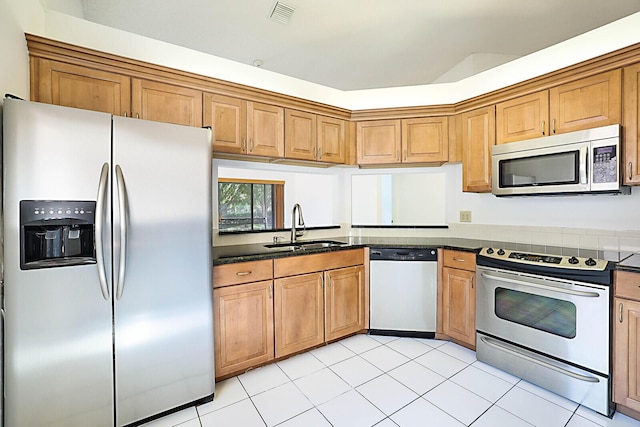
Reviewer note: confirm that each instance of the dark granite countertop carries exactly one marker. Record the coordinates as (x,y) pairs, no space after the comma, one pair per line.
(631,263)
(252,252)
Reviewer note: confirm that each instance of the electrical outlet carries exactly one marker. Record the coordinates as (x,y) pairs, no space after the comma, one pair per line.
(465,216)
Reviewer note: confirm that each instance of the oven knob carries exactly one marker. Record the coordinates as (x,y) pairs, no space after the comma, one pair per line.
(489,251)
(590,262)
(500,252)
(573,260)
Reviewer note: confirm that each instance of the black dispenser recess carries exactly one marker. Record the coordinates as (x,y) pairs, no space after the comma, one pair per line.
(56,233)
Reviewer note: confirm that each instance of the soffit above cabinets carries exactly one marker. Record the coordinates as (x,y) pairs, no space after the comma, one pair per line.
(359,44)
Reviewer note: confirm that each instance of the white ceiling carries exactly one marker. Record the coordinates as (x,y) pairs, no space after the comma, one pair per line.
(361,44)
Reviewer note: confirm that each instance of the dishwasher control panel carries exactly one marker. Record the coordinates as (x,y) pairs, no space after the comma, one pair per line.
(404,254)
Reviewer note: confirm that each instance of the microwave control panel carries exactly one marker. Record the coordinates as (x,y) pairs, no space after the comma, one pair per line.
(605,164)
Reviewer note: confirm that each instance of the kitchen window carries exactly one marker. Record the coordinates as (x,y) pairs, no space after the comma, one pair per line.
(250,205)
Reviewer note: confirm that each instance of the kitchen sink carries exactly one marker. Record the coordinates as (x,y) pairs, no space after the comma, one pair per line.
(306,245)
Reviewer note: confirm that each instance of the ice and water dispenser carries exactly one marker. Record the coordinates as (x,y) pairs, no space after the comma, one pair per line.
(56,233)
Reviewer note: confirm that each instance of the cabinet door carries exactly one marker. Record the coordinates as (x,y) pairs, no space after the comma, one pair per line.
(243,325)
(478,136)
(227,117)
(300,135)
(525,117)
(459,305)
(631,127)
(79,87)
(425,140)
(299,313)
(626,352)
(378,142)
(167,103)
(344,301)
(331,136)
(586,103)
(265,130)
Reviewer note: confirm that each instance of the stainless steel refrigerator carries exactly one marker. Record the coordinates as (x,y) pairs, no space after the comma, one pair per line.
(108,270)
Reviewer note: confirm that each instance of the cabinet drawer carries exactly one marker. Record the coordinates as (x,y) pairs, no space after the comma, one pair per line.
(460,259)
(242,272)
(627,285)
(302,264)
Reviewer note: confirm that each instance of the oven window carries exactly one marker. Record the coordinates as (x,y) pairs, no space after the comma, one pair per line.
(551,315)
(547,169)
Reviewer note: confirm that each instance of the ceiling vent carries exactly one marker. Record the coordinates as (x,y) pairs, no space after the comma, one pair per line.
(282,12)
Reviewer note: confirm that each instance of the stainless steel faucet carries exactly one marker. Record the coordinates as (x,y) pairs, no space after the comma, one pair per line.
(294,232)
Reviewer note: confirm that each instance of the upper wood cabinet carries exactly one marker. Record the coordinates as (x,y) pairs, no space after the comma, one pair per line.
(242,127)
(332,139)
(265,130)
(521,118)
(167,103)
(586,103)
(227,117)
(425,140)
(312,137)
(478,136)
(631,126)
(378,141)
(300,135)
(69,85)
(82,87)
(421,140)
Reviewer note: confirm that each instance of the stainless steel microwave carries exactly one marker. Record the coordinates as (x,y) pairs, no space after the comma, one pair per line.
(586,161)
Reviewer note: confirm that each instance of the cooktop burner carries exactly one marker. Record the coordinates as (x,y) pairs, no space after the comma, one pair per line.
(558,261)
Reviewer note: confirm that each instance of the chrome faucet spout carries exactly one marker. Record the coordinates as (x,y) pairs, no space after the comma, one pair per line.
(294,232)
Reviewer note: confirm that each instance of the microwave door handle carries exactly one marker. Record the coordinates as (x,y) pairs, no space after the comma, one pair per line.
(584,163)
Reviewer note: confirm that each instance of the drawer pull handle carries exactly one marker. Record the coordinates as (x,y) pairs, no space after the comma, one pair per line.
(243,273)
(459,259)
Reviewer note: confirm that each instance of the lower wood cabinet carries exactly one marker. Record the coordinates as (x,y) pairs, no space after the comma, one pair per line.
(626,342)
(243,326)
(319,298)
(459,297)
(299,313)
(313,299)
(343,302)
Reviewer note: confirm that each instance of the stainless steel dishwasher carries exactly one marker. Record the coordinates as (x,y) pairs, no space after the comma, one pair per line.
(403,292)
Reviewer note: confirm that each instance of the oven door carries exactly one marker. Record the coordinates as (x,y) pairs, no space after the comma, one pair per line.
(564,319)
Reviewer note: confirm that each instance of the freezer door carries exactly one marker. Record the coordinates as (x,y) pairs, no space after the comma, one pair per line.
(162,267)
(58,365)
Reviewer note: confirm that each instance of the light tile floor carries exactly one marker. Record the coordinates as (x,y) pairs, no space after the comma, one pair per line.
(387,382)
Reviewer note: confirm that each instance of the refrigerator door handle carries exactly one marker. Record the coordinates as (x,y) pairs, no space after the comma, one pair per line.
(123,208)
(100,217)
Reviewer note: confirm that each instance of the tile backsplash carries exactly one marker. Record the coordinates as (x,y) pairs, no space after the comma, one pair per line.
(579,238)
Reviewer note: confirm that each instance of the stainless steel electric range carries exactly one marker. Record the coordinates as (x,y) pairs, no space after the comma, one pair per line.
(546,319)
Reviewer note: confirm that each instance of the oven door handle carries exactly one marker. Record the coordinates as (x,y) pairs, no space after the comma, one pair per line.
(540,286)
(495,344)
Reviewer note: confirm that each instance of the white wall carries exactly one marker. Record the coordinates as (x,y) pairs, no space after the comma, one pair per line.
(16,17)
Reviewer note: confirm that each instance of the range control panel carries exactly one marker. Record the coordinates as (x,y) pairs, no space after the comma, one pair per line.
(560,261)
